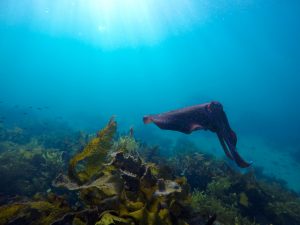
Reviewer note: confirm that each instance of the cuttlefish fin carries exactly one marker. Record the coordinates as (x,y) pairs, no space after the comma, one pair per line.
(196,127)
(225,147)
(192,127)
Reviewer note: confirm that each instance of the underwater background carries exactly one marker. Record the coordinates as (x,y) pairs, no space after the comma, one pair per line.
(69,66)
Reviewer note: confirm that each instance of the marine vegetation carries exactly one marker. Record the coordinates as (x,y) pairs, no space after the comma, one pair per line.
(93,155)
(28,169)
(31,155)
(113,186)
(124,190)
(39,210)
(234,197)
(118,180)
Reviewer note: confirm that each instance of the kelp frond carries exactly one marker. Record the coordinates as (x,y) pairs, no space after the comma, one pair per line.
(93,155)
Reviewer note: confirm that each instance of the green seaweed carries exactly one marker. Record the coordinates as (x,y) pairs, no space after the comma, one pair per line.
(209,205)
(27,169)
(126,144)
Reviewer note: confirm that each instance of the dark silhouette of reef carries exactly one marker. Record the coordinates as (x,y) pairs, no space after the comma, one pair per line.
(73,178)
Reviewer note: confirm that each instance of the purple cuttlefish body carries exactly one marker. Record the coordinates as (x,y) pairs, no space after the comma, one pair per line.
(208,116)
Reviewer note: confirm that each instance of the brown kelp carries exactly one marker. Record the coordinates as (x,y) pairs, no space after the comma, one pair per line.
(93,155)
(126,190)
(37,211)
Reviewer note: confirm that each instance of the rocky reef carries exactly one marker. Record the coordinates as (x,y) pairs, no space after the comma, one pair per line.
(107,180)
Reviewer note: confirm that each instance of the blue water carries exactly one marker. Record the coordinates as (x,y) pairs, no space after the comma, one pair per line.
(153,57)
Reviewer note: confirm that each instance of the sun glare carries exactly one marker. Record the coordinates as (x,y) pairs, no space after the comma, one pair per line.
(109,23)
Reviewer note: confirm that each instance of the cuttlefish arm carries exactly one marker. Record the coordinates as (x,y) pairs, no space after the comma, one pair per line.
(208,116)
(226,135)
(237,158)
(228,154)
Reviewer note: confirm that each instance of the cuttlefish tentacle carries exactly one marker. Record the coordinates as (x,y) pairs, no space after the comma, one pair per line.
(237,158)
(228,154)
(208,116)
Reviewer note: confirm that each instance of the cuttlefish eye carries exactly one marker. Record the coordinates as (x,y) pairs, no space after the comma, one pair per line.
(215,106)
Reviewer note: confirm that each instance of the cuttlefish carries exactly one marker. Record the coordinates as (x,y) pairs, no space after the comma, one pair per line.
(208,116)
